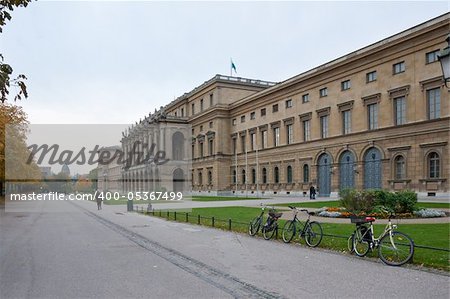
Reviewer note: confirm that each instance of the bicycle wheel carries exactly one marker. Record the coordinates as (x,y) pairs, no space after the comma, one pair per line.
(360,246)
(288,231)
(254,225)
(350,243)
(269,231)
(313,234)
(395,249)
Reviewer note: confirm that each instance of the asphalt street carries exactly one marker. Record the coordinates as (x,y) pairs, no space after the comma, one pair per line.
(71,250)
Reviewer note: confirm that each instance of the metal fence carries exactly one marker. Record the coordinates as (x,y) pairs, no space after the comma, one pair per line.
(230,224)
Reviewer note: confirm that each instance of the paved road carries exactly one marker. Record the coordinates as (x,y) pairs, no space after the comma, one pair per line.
(65,250)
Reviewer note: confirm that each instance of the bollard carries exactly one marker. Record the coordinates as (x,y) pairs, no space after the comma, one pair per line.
(198,219)
(175,216)
(229,223)
(187,217)
(168,215)
(160,213)
(212,221)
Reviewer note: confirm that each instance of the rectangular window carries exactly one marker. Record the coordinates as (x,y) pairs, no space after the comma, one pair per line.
(305,98)
(431,56)
(324,126)
(263,111)
(211,99)
(264,139)
(398,68)
(200,149)
(289,134)
(193,151)
(323,92)
(201,128)
(201,105)
(347,121)
(234,145)
(345,85)
(210,124)
(434,103)
(233,121)
(210,147)
(372,111)
(372,76)
(192,109)
(243,119)
(276,136)
(182,112)
(243,145)
(252,115)
(289,103)
(400,111)
(306,130)
(275,108)
(253,141)
(175,114)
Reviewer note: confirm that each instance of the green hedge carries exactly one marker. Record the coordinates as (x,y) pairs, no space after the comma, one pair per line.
(369,201)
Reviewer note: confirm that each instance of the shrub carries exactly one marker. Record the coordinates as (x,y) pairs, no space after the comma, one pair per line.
(376,201)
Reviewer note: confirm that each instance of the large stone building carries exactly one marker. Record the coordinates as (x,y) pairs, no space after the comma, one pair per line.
(375,118)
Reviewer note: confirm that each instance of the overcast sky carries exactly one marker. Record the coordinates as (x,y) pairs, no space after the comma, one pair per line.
(113,62)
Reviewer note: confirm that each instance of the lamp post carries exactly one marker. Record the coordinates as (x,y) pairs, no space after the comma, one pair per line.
(444,59)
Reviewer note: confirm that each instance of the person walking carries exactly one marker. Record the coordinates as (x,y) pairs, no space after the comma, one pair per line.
(99,200)
(312,192)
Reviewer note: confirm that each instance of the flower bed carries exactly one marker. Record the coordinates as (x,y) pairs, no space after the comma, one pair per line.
(343,213)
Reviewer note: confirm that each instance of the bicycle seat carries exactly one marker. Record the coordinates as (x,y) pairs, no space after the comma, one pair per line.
(275,215)
(370,219)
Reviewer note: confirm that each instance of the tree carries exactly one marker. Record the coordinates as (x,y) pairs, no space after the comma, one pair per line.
(14,155)
(6,71)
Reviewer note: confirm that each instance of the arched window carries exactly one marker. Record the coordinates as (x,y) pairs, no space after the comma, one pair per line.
(234,176)
(264,176)
(209,177)
(243,177)
(306,173)
(399,167)
(200,178)
(276,175)
(253,176)
(289,174)
(434,165)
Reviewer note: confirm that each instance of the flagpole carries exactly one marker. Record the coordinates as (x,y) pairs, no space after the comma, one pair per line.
(236,167)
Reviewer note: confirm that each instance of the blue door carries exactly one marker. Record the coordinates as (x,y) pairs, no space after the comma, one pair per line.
(346,173)
(372,169)
(324,175)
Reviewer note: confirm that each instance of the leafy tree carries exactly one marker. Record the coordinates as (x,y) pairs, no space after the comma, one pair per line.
(13,158)
(6,71)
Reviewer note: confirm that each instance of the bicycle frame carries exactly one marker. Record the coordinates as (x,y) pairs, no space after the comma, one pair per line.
(388,229)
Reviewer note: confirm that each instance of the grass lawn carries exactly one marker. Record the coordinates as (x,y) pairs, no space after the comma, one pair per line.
(312,204)
(335,203)
(434,235)
(433,205)
(221,198)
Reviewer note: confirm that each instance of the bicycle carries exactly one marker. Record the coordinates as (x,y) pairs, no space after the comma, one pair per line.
(394,248)
(271,225)
(256,223)
(311,231)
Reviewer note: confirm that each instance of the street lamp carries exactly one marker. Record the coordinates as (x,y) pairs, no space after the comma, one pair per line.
(444,59)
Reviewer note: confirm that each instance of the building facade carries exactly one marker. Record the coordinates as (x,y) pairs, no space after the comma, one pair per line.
(109,170)
(375,118)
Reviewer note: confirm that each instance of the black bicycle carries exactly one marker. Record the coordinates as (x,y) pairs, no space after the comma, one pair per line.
(256,223)
(271,225)
(311,231)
